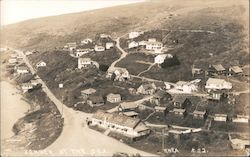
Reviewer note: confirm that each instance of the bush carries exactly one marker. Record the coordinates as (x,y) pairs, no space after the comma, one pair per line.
(103,67)
(169,62)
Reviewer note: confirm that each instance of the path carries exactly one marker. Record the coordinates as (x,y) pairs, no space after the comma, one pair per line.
(123,55)
(76,140)
(146,69)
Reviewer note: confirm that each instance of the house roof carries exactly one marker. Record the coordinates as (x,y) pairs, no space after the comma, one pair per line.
(237,141)
(159,84)
(130,113)
(111,95)
(199,112)
(88,91)
(160,108)
(116,119)
(96,99)
(161,94)
(218,67)
(179,98)
(236,69)
(27,84)
(220,115)
(148,86)
(128,105)
(181,83)
(179,110)
(85,59)
(215,81)
(22,68)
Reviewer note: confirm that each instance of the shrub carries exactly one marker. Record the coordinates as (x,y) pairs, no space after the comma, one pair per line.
(103,67)
(169,62)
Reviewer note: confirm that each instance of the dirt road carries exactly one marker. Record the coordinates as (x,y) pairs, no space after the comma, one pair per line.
(76,138)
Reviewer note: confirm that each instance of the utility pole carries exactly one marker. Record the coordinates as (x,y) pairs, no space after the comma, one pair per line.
(163,139)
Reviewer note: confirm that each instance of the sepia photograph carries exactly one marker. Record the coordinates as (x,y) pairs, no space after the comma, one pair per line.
(124,78)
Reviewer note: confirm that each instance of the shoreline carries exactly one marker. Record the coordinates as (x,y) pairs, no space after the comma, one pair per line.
(11,111)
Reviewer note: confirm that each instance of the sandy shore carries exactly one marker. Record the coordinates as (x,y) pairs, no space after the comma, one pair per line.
(12,108)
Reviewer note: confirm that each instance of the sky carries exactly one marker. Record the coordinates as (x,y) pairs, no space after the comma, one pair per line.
(13,11)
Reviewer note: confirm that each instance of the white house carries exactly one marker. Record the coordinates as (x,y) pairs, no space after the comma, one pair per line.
(239,144)
(12,60)
(84,62)
(142,43)
(159,59)
(71,46)
(41,64)
(133,44)
(113,98)
(86,41)
(99,48)
(26,87)
(81,52)
(124,125)
(121,74)
(34,82)
(152,44)
(28,53)
(220,117)
(217,84)
(22,70)
(109,45)
(240,119)
(104,36)
(188,87)
(133,35)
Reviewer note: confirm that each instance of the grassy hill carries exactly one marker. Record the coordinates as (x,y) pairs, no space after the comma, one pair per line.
(55,31)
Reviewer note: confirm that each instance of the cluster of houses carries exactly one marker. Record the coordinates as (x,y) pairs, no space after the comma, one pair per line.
(29,85)
(86,63)
(218,69)
(151,45)
(118,74)
(88,45)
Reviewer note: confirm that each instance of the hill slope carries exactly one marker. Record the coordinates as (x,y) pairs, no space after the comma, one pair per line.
(50,32)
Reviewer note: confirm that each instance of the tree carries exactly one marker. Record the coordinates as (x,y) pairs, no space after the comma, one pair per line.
(103,67)
(169,62)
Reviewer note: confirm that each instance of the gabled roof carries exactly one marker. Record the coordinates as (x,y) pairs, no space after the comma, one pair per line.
(85,59)
(96,99)
(218,67)
(111,95)
(128,105)
(236,69)
(22,68)
(199,112)
(179,110)
(180,98)
(147,86)
(130,113)
(220,115)
(88,91)
(116,119)
(161,94)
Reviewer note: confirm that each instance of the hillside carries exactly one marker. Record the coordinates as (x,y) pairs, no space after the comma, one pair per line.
(55,31)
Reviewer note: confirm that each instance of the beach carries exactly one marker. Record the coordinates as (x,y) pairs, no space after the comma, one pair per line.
(12,108)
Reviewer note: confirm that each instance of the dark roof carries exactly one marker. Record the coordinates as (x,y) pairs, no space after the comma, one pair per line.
(96,99)
(179,98)
(161,94)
